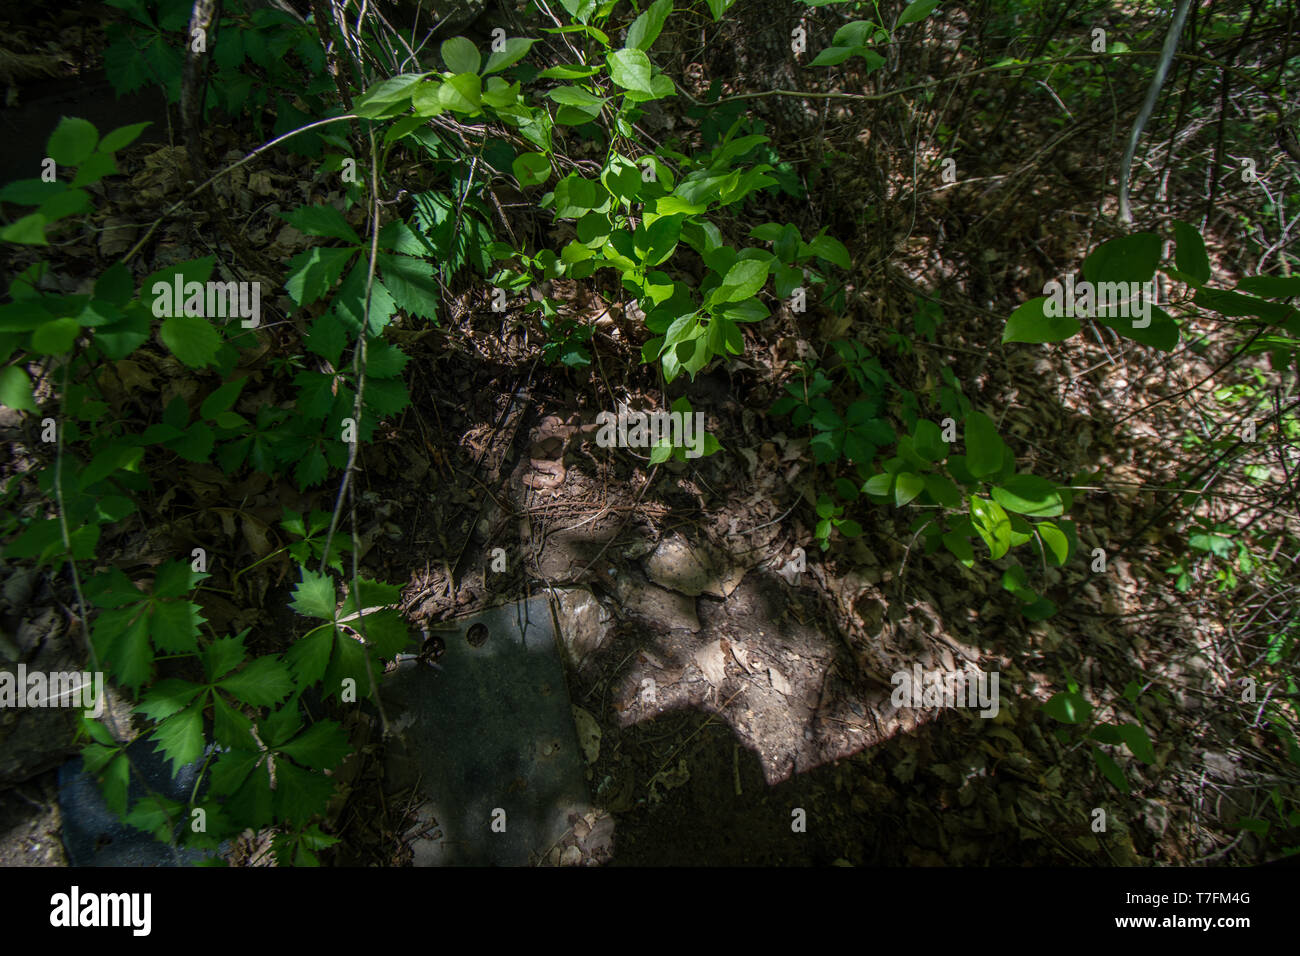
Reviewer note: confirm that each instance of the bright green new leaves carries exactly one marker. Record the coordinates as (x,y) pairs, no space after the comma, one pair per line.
(16,389)
(719,7)
(72,142)
(851,40)
(388,97)
(461,55)
(312,274)
(531,169)
(645,29)
(992,525)
(985,451)
(1031,323)
(631,70)
(314,596)
(742,281)
(1069,707)
(1056,541)
(516,48)
(915,11)
(1029,495)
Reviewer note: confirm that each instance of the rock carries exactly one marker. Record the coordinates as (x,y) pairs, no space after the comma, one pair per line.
(584,623)
(692,570)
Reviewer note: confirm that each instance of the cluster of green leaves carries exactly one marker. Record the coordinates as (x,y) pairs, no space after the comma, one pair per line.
(858,36)
(1070,707)
(642,206)
(248,707)
(1134,258)
(977,494)
(264,63)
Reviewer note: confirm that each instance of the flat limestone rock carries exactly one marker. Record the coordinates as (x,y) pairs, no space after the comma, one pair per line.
(491,739)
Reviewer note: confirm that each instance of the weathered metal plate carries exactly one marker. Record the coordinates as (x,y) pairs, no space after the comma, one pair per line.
(491,739)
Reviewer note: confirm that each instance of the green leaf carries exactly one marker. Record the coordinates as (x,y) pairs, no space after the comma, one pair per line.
(122,137)
(462,93)
(1058,544)
(1107,734)
(960,546)
(461,55)
(29,230)
(992,524)
(1029,495)
(411,282)
(531,169)
(313,273)
(719,7)
(1271,287)
(180,738)
(16,389)
(1161,334)
(314,595)
(574,196)
(1030,323)
(1131,258)
(1068,707)
(1038,610)
(984,449)
(222,398)
(832,250)
(1190,255)
(174,626)
(646,28)
(310,655)
(56,337)
(907,487)
(914,11)
(927,441)
(168,698)
(878,484)
(72,141)
(1110,769)
(630,69)
(1138,742)
(301,795)
(321,221)
(115,285)
(742,281)
(516,49)
(943,491)
(320,747)
(191,339)
(388,96)
(263,683)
